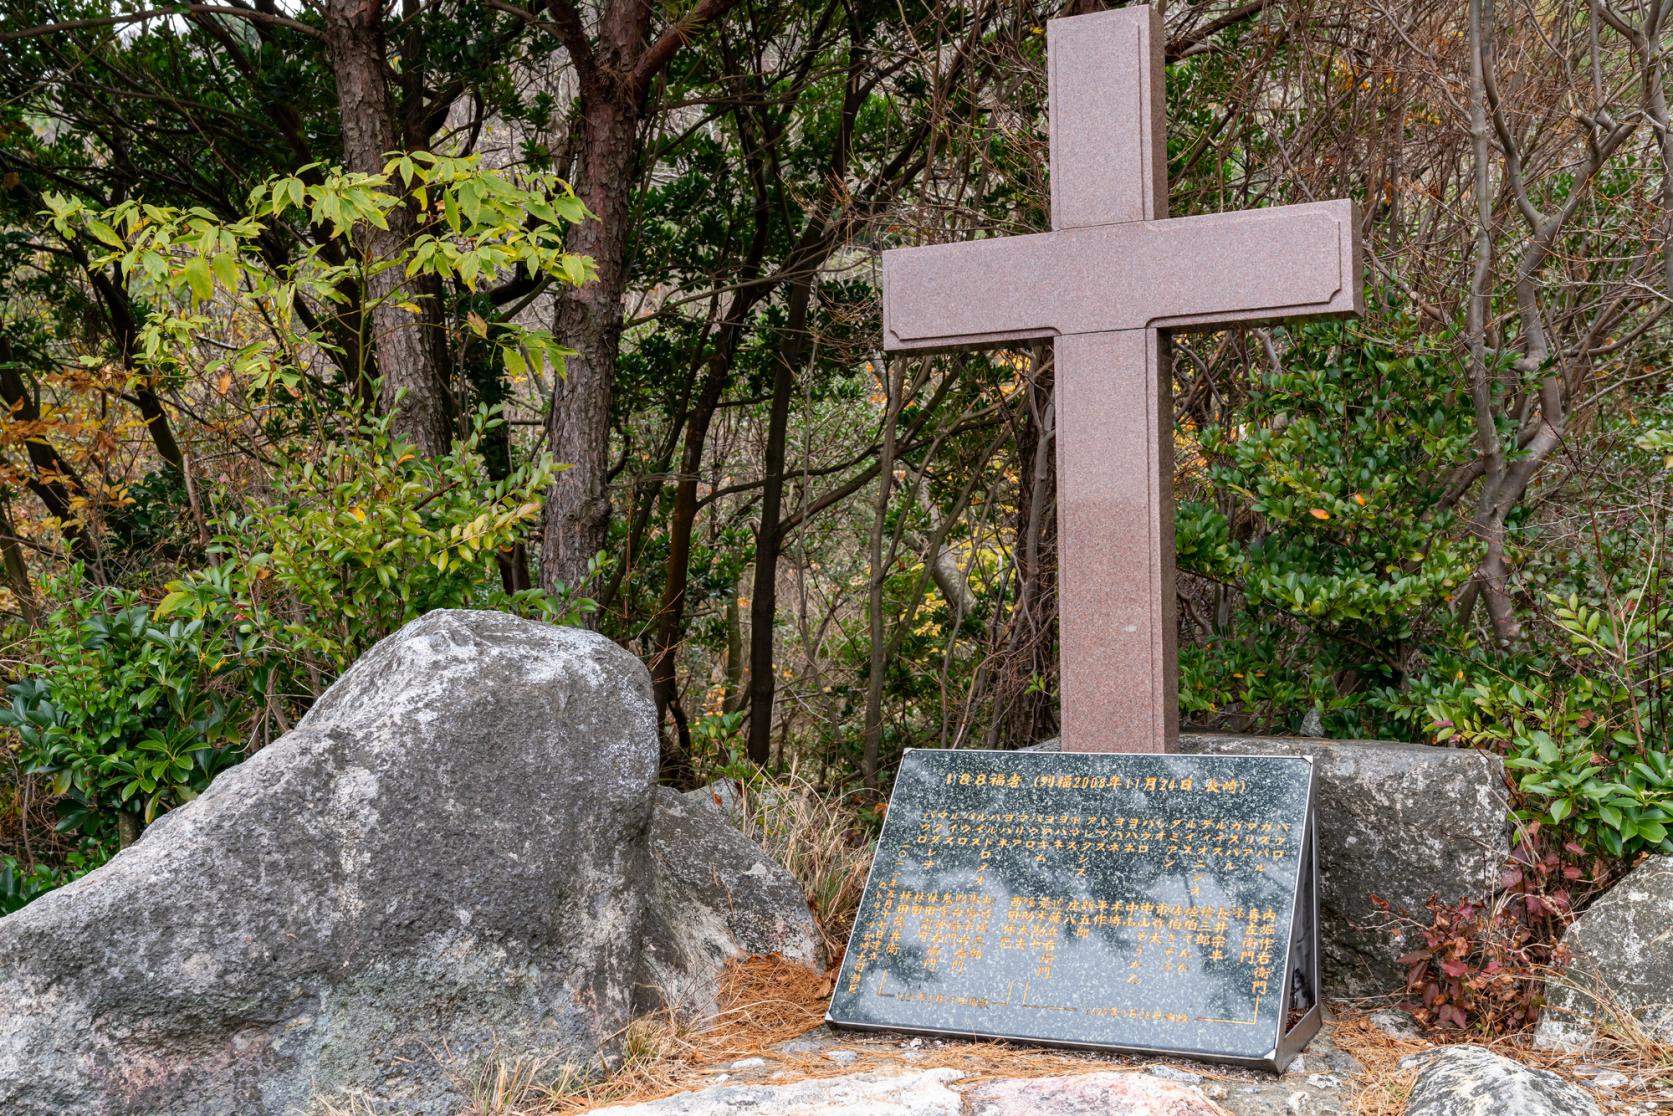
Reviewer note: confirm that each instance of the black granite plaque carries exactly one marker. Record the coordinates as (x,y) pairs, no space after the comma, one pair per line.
(1156,903)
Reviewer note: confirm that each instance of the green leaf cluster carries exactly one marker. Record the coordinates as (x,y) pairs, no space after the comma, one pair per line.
(129,708)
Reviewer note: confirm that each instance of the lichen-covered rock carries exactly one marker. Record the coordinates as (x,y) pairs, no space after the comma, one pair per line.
(1473,1081)
(442,865)
(1399,822)
(920,1093)
(714,895)
(1089,1094)
(1622,958)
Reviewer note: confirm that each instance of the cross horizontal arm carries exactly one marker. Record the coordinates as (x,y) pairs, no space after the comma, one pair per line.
(1187,272)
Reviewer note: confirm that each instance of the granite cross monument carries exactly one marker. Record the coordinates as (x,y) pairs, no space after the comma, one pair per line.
(1109,281)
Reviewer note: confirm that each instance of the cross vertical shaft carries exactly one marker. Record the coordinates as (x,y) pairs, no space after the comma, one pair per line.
(1118,672)
(1118,669)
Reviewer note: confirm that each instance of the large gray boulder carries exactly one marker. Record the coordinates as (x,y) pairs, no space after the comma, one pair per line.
(1400,823)
(442,866)
(714,895)
(1473,1081)
(1622,960)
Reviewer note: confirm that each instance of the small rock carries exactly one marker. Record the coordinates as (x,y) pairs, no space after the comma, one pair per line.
(1297,1067)
(811,1043)
(924,1093)
(1396,1025)
(1284,1097)
(1088,1094)
(1324,1081)
(1473,1081)
(749,1063)
(1620,951)
(842,1057)
(1603,1078)
(1170,1074)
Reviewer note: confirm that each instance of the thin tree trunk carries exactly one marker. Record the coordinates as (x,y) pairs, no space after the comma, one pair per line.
(52,479)
(763,604)
(736,674)
(670,625)
(17,567)
(1023,691)
(894,386)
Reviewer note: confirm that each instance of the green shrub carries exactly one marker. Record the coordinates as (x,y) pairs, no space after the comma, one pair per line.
(1578,736)
(1318,514)
(20,885)
(126,711)
(355,543)
(121,713)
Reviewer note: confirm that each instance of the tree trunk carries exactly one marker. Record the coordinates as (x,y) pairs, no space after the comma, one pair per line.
(53,480)
(589,321)
(736,674)
(17,567)
(763,603)
(894,387)
(670,619)
(406,346)
(614,68)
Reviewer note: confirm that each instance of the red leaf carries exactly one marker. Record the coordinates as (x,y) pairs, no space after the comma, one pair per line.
(1413,957)
(1454,968)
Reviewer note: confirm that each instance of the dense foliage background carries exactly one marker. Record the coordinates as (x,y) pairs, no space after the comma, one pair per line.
(317,315)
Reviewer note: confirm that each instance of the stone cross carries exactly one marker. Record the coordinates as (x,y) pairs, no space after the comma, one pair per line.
(1113,275)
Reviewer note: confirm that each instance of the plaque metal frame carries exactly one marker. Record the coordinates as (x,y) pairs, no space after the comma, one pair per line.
(1301,1011)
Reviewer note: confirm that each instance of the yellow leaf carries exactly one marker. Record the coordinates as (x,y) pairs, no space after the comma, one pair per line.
(171,602)
(409,307)
(1358,499)
(359,515)
(1320,513)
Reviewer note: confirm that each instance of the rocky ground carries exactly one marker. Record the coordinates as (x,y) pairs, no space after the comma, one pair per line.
(772,1054)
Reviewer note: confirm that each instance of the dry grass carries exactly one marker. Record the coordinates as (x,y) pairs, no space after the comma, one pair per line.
(1381,1087)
